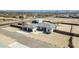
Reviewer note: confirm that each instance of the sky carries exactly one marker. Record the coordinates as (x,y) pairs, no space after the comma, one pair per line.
(41,10)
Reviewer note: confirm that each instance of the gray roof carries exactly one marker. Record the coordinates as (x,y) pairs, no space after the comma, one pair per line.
(47,25)
(31,25)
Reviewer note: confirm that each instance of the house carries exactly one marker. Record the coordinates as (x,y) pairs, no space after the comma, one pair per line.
(44,27)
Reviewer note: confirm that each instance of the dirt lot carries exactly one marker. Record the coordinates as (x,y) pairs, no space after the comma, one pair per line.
(56,39)
(11,29)
(59,40)
(75,29)
(76,42)
(63,27)
(6,40)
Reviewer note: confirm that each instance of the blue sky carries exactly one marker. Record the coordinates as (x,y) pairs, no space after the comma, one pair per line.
(40,10)
(43,10)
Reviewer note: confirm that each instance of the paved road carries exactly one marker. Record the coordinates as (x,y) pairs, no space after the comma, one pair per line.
(33,43)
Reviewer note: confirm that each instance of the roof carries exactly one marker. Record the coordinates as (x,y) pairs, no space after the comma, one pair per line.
(31,25)
(47,25)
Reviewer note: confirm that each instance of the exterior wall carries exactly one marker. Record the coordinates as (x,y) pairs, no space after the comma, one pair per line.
(27,29)
(48,31)
(52,30)
(39,28)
